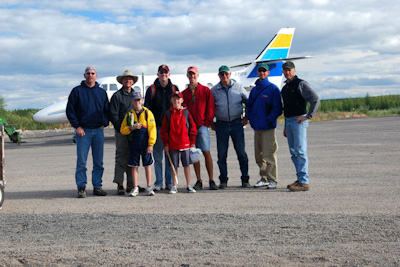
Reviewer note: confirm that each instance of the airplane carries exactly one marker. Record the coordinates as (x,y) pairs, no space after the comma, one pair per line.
(276,51)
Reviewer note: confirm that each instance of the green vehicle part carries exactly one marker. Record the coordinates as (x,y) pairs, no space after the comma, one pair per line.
(11,131)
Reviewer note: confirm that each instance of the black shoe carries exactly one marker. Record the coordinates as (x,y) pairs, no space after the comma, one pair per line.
(198,185)
(120,190)
(245,184)
(213,186)
(141,189)
(99,192)
(223,185)
(82,192)
(129,188)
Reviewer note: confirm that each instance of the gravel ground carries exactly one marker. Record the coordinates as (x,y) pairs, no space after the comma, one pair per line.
(350,217)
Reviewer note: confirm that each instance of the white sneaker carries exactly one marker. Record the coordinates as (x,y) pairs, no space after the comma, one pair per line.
(271,185)
(261,183)
(173,190)
(134,192)
(149,191)
(190,189)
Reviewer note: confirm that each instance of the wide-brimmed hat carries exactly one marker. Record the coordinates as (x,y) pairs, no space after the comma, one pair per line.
(127,73)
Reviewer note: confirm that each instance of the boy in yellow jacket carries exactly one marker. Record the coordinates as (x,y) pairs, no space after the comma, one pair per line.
(140,127)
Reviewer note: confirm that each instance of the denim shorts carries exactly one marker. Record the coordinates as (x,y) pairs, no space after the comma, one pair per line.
(203,138)
(134,158)
(185,157)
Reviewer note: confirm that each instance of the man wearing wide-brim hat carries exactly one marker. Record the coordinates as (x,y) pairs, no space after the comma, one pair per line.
(120,104)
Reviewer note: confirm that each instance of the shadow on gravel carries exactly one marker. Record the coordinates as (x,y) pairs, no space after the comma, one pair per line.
(60,140)
(72,193)
(43,194)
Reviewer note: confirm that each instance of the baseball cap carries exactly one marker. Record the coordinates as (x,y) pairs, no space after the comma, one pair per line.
(262,65)
(288,65)
(136,95)
(179,94)
(223,68)
(193,69)
(163,67)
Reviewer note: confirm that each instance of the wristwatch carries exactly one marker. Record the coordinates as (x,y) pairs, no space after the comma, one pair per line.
(308,116)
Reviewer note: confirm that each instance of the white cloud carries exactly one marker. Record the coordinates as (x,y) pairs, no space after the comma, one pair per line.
(45,45)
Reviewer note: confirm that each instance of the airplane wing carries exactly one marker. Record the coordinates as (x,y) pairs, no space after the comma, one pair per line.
(272,61)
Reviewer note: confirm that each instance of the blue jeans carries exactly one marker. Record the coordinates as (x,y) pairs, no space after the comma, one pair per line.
(234,129)
(297,140)
(93,138)
(158,152)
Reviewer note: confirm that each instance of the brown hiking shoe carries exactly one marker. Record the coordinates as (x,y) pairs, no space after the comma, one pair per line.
(120,189)
(299,187)
(290,185)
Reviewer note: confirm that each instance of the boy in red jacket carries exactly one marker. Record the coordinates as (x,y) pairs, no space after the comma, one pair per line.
(178,134)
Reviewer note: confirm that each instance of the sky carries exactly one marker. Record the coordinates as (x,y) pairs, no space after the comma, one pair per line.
(45,45)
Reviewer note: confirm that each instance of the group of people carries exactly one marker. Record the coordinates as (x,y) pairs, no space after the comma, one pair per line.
(165,125)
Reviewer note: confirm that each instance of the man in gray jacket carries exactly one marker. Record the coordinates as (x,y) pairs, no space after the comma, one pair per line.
(120,104)
(229,97)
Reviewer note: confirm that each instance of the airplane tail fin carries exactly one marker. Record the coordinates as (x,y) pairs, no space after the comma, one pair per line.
(276,51)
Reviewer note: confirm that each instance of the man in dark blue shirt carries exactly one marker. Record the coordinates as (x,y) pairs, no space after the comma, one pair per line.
(87,111)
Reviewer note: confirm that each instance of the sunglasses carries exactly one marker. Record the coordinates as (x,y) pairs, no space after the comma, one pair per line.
(223,74)
(163,72)
(90,73)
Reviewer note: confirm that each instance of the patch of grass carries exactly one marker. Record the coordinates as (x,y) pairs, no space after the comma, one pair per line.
(23,120)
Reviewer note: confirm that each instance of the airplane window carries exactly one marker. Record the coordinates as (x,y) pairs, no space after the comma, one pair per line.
(113,87)
(104,86)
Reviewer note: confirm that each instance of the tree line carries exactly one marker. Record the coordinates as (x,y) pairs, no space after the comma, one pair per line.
(360,104)
(369,105)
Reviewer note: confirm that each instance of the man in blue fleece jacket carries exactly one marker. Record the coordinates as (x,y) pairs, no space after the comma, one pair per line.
(263,108)
(87,111)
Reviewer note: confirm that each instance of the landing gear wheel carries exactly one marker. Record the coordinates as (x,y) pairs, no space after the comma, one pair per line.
(1,195)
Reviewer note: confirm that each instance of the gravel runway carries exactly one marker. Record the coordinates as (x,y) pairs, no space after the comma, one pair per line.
(350,216)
